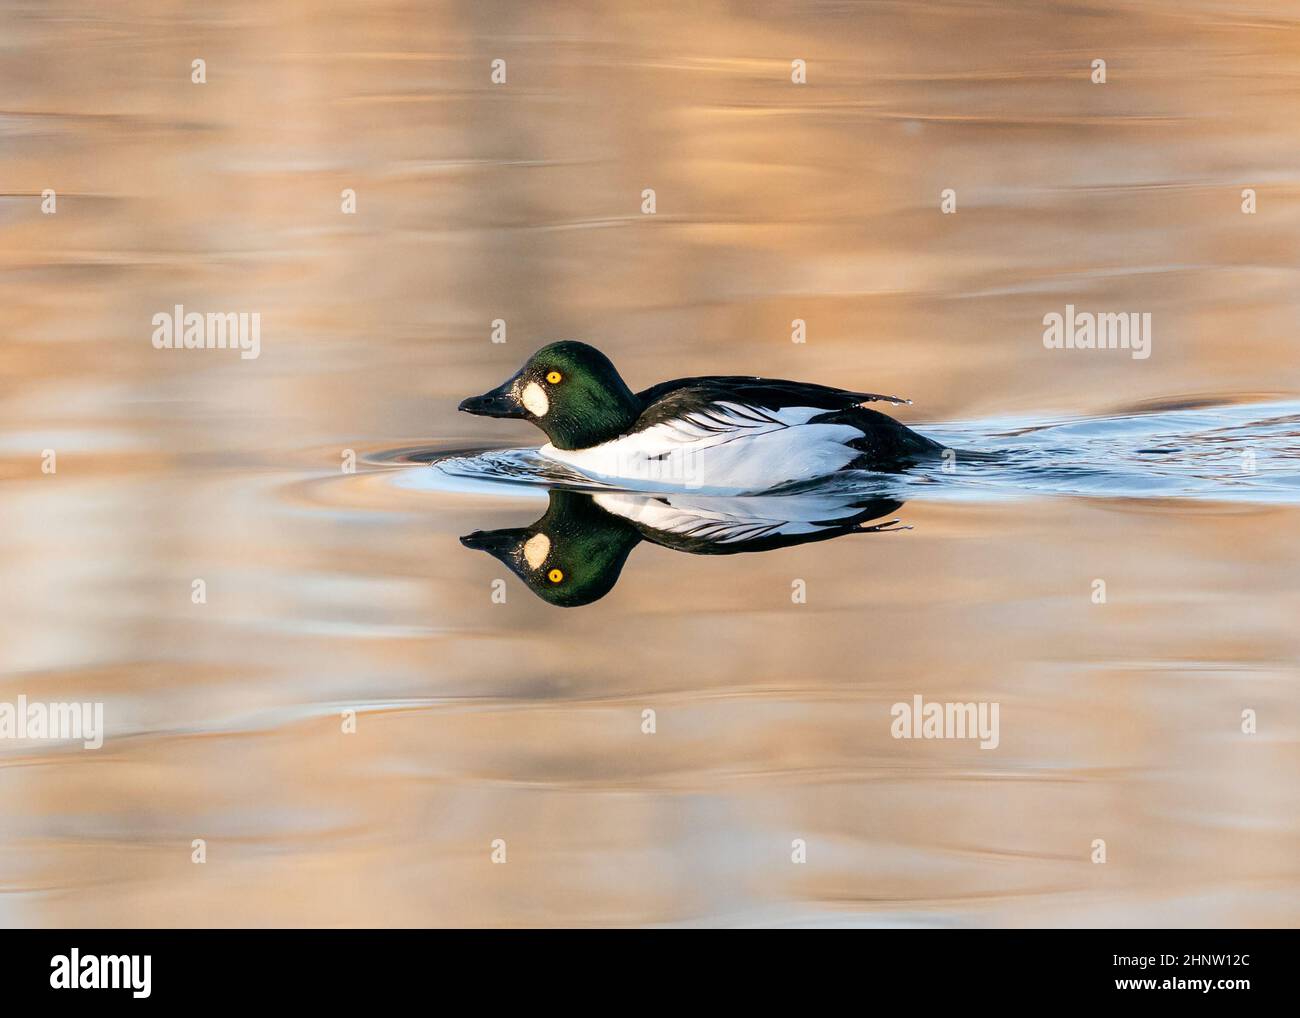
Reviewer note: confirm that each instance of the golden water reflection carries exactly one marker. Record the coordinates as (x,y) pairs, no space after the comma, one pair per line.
(328,592)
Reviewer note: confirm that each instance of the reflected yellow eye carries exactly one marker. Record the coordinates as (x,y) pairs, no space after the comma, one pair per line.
(554,377)
(555,575)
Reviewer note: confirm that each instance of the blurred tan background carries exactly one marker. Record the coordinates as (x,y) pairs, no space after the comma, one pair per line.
(521,201)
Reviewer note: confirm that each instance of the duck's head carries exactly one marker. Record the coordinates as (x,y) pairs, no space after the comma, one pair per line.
(571,556)
(570,390)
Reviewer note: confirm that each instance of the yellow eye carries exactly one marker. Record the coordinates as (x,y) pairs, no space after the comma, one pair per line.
(555,575)
(554,377)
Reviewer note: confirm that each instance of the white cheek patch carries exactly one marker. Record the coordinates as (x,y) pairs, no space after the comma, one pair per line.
(536,548)
(535,401)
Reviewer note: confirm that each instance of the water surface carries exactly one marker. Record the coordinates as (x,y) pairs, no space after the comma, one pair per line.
(479,719)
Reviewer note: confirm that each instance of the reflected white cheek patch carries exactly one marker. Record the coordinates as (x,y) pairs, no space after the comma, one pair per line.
(535,401)
(536,548)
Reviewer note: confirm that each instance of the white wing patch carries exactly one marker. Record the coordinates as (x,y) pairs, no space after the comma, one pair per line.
(722,422)
(726,520)
(724,448)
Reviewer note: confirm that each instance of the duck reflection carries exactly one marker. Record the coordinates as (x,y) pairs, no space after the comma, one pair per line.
(574,554)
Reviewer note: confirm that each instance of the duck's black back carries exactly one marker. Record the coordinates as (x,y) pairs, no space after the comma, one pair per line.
(669,400)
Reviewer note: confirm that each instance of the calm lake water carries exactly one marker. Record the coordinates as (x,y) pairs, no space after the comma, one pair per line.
(1174,479)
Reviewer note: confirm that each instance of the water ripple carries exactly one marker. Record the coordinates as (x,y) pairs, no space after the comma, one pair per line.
(1179,449)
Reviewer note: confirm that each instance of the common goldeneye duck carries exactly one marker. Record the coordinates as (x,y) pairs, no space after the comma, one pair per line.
(575,553)
(725,434)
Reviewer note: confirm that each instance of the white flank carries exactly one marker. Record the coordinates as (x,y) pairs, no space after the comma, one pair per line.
(728,450)
(723,520)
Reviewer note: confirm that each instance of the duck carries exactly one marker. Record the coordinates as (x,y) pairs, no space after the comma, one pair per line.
(717,434)
(575,552)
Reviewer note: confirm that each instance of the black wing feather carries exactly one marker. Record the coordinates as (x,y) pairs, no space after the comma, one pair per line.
(674,399)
